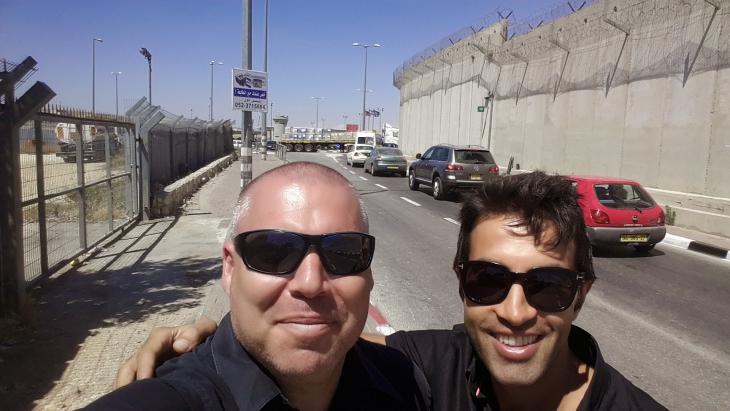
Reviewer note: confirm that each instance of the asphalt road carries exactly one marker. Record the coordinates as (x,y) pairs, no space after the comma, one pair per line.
(663,319)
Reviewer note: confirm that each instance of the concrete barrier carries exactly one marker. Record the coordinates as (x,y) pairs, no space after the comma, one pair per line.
(167,200)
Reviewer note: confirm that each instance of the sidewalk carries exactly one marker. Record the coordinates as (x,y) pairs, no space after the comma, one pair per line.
(87,321)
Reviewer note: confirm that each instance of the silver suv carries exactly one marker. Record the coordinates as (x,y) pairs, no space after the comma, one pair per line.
(448,168)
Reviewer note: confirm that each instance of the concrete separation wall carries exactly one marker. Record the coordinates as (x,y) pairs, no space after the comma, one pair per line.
(630,88)
(167,200)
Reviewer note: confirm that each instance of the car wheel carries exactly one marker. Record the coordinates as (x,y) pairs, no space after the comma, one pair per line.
(439,192)
(365,169)
(644,248)
(412,183)
(372,170)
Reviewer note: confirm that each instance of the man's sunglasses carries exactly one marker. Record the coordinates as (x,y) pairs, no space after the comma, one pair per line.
(549,289)
(280,252)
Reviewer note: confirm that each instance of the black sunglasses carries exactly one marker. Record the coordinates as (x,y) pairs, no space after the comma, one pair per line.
(549,289)
(280,252)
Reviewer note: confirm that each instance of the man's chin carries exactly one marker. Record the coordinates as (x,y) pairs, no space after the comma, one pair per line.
(304,362)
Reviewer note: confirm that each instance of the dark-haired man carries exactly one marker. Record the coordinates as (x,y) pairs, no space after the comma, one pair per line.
(296,268)
(524,268)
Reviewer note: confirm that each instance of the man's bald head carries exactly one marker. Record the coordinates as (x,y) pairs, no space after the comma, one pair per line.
(297,172)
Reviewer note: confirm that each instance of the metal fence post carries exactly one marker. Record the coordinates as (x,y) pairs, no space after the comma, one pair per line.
(41,189)
(108,154)
(81,189)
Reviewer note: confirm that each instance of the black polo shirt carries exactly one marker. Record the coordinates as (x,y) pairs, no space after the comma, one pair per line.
(460,381)
(221,375)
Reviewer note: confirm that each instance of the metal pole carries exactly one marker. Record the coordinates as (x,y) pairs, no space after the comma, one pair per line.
(93,75)
(264,131)
(246,117)
(116,91)
(316,117)
(93,72)
(364,87)
(116,95)
(210,115)
(149,81)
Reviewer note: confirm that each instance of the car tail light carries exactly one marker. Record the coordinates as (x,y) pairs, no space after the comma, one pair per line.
(494,169)
(454,167)
(599,216)
(660,220)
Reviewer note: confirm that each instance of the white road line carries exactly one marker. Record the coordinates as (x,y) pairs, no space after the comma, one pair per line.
(352,172)
(363,178)
(382,186)
(451,220)
(408,200)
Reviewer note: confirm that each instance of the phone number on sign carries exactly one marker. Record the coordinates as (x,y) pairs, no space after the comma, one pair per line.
(249,106)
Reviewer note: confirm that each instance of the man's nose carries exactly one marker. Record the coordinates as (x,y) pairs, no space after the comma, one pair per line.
(515,309)
(310,279)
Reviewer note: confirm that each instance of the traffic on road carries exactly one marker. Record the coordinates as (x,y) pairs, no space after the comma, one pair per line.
(659,313)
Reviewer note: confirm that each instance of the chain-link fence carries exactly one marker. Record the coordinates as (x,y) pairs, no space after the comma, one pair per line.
(76,172)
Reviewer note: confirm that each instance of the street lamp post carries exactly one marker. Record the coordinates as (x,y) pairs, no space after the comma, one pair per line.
(93,72)
(365,76)
(316,118)
(212,63)
(147,55)
(116,91)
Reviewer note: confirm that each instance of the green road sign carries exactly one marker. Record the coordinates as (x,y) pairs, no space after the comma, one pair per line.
(480,109)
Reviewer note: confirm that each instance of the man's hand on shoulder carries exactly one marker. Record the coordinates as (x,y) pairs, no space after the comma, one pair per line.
(163,343)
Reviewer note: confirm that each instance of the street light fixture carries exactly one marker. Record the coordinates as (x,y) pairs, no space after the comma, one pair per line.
(316,118)
(147,55)
(212,63)
(93,72)
(365,76)
(116,91)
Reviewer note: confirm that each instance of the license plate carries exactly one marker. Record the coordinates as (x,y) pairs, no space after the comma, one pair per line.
(634,238)
(475,177)
(392,166)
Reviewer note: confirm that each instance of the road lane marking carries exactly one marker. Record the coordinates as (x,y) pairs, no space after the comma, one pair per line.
(363,178)
(452,221)
(352,172)
(408,200)
(382,186)
(382,325)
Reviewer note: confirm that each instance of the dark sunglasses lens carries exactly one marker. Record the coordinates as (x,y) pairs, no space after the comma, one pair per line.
(347,253)
(485,283)
(273,252)
(550,289)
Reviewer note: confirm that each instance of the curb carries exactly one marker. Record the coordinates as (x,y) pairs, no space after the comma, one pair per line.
(697,246)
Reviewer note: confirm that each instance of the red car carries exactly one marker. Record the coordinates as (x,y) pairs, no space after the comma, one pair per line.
(619,212)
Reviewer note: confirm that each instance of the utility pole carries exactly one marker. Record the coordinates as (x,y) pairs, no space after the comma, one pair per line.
(316,117)
(116,91)
(365,77)
(212,63)
(93,73)
(148,56)
(246,116)
(264,123)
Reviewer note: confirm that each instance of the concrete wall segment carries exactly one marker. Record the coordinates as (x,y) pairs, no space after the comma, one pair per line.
(637,127)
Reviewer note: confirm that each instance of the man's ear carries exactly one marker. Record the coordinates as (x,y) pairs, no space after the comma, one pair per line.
(582,294)
(229,260)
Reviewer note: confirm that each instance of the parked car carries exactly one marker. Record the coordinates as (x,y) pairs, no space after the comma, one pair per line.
(271,145)
(448,168)
(617,211)
(357,154)
(385,160)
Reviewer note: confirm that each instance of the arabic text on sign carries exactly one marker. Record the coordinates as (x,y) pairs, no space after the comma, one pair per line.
(245,92)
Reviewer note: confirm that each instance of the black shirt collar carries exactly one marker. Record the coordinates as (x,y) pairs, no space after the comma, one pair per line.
(253,388)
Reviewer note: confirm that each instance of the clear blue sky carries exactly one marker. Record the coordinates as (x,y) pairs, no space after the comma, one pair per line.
(310,52)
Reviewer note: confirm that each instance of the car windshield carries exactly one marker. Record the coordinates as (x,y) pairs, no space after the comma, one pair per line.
(623,195)
(362,148)
(389,152)
(473,156)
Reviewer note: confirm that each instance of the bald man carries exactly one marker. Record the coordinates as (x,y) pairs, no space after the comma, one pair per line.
(296,268)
